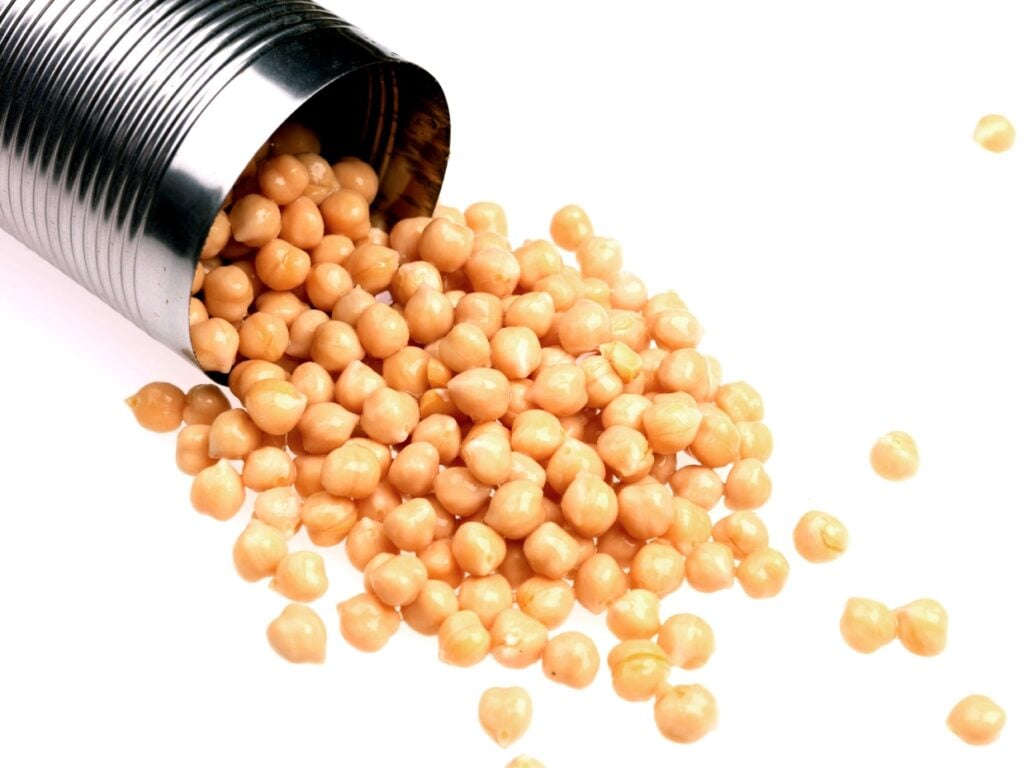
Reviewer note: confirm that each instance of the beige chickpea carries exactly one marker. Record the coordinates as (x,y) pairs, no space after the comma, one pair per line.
(446,244)
(465,347)
(203,404)
(740,401)
(255,220)
(534,310)
(748,485)
(819,537)
(625,451)
(488,456)
(690,526)
(293,139)
(486,217)
(671,426)
(463,640)
(549,601)
(258,551)
(629,328)
(389,416)
(744,532)
(599,257)
(461,493)
(372,267)
(685,370)
(645,509)
(410,277)
(284,304)
(335,345)
(345,212)
(584,327)
(410,525)
(357,175)
(515,568)
(217,238)
(196,312)
(515,510)
(366,623)
(332,249)
(266,468)
(537,259)
(676,329)
(382,330)
(492,270)
(413,470)
(619,545)
(217,491)
(279,507)
(922,627)
(626,410)
(435,602)
(356,383)
(351,306)
(263,336)
(505,714)
(326,284)
(325,426)
(518,400)
(158,407)
(366,540)
(478,548)
(300,577)
(590,505)
(599,582)
(571,659)
(756,440)
(537,433)
(443,433)
(302,224)
(283,178)
(685,713)
(486,596)
(995,133)
(233,435)
(484,310)
(976,720)
(351,470)
(551,551)
(710,567)
(192,449)
(894,456)
(603,384)
(441,564)
(395,580)
(214,344)
(639,669)
(517,639)
(275,406)
(515,352)
(298,635)
(553,355)
(867,625)
(634,615)
(327,519)
(763,573)
(658,568)
(698,485)
(429,315)
(307,475)
(381,501)
(628,292)
(598,291)
(480,393)
(687,640)
(560,389)
(718,441)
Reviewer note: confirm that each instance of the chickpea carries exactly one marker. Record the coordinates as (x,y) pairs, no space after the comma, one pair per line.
(698,485)
(203,404)
(382,330)
(685,370)
(628,327)
(294,139)
(505,714)
(515,510)
(553,355)
(755,440)
(233,435)
(439,374)
(634,615)
(266,468)
(158,407)
(976,720)
(599,582)
(535,311)
(549,601)
(440,562)
(687,640)
(486,596)
(488,456)
(410,525)
(389,416)
(365,541)
(584,327)
(718,440)
(429,315)
(515,352)
(446,244)
(922,627)
(258,551)
(460,493)
(298,635)
(357,382)
(626,452)
(217,238)
(537,433)
(300,577)
(327,519)
(590,505)
(560,389)
(671,426)
(599,257)
(255,220)
(284,304)
(279,508)
(740,401)
(639,668)
(332,249)
(710,567)
(192,449)
(603,385)
(517,639)
(690,525)
(263,336)
(748,485)
(645,509)
(619,545)
(442,432)
(196,312)
(894,456)
(744,532)
(366,623)
(413,471)
(326,284)
(217,491)
(351,470)
(335,346)
(685,713)
(763,573)
(480,393)
(381,501)
(571,658)
(995,133)
(465,347)
(350,307)
(819,537)
(628,292)
(345,212)
(478,548)
(551,551)
(867,625)
(283,178)
(657,567)
(626,410)
(435,602)
(463,640)
(395,580)
(372,267)
(275,406)
(486,217)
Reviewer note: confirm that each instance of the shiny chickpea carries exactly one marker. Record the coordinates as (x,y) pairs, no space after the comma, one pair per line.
(619,545)
(570,226)
(442,432)
(535,310)
(685,713)
(351,470)
(629,328)
(658,568)
(158,407)
(819,537)
(332,249)
(748,485)
(283,178)
(687,640)
(435,602)
(196,312)
(664,466)
(639,669)
(685,370)
(867,625)
(267,468)
(280,508)
(366,623)
(537,259)
(465,347)
(233,435)
(365,541)
(625,451)
(676,329)
(275,406)
(718,441)
(441,564)
(298,635)
(263,336)
(645,509)
(326,284)
(281,266)
(554,355)
(258,551)
(389,416)
(560,389)
(203,404)
(322,181)
(217,491)
(335,345)
(217,238)
(634,615)
(429,315)
(410,277)
(549,601)
(486,217)
(460,493)
(284,304)
(486,596)
(590,505)
(414,468)
(744,532)
(395,580)
(600,582)
(215,344)
(894,456)
(740,401)
(671,426)
(763,573)
(358,176)
(537,433)
(410,526)
(314,382)
(515,352)
(628,292)
(599,257)
(478,548)
(584,327)
(381,501)
(922,627)
(995,133)
(710,567)
(192,449)
(382,330)
(480,393)
(325,426)
(697,484)
(351,305)
(307,475)
(572,459)
(484,310)
(300,577)
(603,384)
(356,383)
(446,244)
(293,139)
(517,639)
(551,551)
(626,410)
(976,720)
(487,456)
(255,220)
(463,640)
(755,440)
(372,267)
(505,714)
(327,519)
(515,510)
(571,659)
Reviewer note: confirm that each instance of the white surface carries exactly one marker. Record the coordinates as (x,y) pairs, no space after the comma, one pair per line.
(805,177)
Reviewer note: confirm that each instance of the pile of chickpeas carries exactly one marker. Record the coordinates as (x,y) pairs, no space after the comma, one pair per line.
(493,435)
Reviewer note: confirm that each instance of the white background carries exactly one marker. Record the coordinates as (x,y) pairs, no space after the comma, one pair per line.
(804,175)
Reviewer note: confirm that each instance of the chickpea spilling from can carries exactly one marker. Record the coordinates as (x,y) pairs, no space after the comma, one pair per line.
(493,436)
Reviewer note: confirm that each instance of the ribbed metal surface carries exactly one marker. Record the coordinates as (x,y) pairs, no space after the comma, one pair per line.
(102,136)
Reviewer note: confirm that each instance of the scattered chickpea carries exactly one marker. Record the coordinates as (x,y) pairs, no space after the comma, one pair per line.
(551,551)
(410,525)
(158,407)
(894,456)
(300,577)
(976,720)
(395,580)
(217,491)
(687,639)
(275,406)
(639,669)
(505,714)
(743,531)
(327,519)
(570,226)
(698,485)
(995,133)
(462,639)
(517,638)
(867,625)
(350,470)
(657,567)
(748,485)
(480,393)
(645,509)
(571,659)
(685,713)
(710,567)
(366,623)
(435,602)
(590,505)
(258,551)
(192,449)
(366,539)
(922,626)
(549,601)
(819,537)
(486,596)
(298,635)
(478,548)
(267,468)
(255,220)
(763,573)
(690,526)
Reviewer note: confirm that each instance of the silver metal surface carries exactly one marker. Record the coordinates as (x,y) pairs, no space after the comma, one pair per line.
(124,124)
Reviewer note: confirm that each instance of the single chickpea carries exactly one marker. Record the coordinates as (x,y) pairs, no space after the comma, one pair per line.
(255,220)
(488,456)
(698,485)
(410,277)
(486,596)
(335,345)
(687,639)
(744,532)
(410,525)
(553,355)
(300,577)
(395,580)
(584,327)
(293,139)
(382,330)
(414,468)
(590,505)
(740,401)
(671,426)
(192,449)
(463,640)
(429,315)
(275,406)
(203,404)
(332,249)
(755,440)
(263,336)
(381,501)
(535,310)
(460,493)
(515,352)
(351,306)
(443,433)
(515,510)
(976,720)
(626,410)
(198,279)
(298,635)
(685,713)
(322,181)
(357,175)
(441,564)
(326,284)
(763,573)
(279,507)
(537,433)
(478,548)
(603,384)
(517,639)
(196,312)
(505,714)
(307,475)
(486,217)
(628,292)
(284,304)
(365,541)
(484,310)
(551,551)
(819,537)
(676,329)
(407,370)
(258,551)
(628,327)
(282,179)
(600,582)
(217,238)
(158,407)
(690,526)
(435,602)
(549,601)
(685,370)
(718,441)
(233,435)
(480,393)
(372,267)
(570,226)
(537,259)
(635,615)
(327,519)
(599,257)
(995,133)
(389,416)
(465,347)
(356,383)
(639,669)
(922,627)
(351,470)
(267,468)
(625,451)
(571,659)
(446,244)
(645,509)
(560,389)
(366,623)
(619,545)
(214,344)
(710,567)
(748,485)
(867,625)
(281,266)
(658,568)
(217,491)
(894,456)
(325,426)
